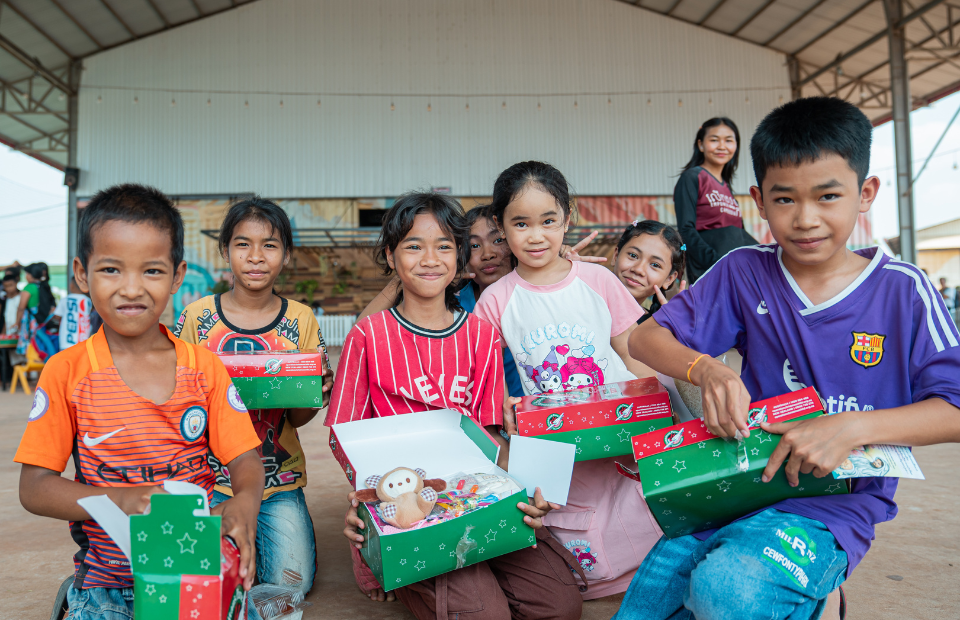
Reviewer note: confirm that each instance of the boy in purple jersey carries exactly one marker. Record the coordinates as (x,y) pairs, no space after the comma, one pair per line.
(870,333)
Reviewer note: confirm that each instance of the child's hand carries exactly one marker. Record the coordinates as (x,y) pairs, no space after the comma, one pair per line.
(510,414)
(377,594)
(573,253)
(238,520)
(327,379)
(134,500)
(535,513)
(816,446)
(354,523)
(663,298)
(725,398)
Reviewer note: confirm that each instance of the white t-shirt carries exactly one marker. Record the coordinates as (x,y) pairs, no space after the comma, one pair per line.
(560,334)
(10,315)
(74,313)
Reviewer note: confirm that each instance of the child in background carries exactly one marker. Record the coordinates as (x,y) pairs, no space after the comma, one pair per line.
(74,313)
(256,240)
(805,311)
(99,403)
(567,323)
(649,259)
(393,362)
(12,301)
(36,303)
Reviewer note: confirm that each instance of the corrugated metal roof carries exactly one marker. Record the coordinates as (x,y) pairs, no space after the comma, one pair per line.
(828,38)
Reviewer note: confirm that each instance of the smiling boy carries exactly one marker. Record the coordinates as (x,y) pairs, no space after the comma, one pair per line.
(867,331)
(133,405)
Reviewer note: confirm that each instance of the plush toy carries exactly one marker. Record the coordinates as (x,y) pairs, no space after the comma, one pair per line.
(406,496)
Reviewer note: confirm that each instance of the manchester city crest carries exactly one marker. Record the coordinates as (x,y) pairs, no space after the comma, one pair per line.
(867,349)
(193,423)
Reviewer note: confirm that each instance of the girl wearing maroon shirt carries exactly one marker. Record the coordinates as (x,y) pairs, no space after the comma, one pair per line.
(708,216)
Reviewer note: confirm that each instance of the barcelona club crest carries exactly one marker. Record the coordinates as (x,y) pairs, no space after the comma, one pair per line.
(867,349)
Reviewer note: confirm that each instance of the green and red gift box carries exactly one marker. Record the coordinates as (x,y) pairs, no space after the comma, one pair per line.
(442,443)
(693,480)
(599,421)
(277,379)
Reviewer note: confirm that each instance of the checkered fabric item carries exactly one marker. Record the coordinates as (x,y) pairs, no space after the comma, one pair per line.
(388,510)
(428,494)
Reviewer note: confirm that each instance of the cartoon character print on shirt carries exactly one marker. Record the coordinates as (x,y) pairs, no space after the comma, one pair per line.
(562,369)
(205,322)
(581,550)
(277,462)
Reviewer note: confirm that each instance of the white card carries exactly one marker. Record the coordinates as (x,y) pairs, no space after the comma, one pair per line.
(545,464)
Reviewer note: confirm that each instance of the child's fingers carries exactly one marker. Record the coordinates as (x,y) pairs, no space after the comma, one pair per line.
(736,409)
(780,453)
(683,285)
(593,259)
(660,296)
(585,241)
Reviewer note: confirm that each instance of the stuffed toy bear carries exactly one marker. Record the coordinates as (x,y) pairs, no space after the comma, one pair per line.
(406,496)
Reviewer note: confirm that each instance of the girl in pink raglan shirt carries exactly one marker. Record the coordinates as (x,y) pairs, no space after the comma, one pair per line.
(567,324)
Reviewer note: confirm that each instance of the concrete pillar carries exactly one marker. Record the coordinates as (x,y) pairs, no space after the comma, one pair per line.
(72,106)
(902,104)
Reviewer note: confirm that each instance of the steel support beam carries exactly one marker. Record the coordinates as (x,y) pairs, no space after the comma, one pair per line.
(793,66)
(31,63)
(900,88)
(72,104)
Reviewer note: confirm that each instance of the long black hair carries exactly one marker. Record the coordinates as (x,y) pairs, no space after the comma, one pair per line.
(543,176)
(670,235)
(398,221)
(44,295)
(730,168)
(261,210)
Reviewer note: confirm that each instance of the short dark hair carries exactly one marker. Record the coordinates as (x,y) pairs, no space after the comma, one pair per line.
(133,203)
(262,210)
(805,130)
(543,176)
(398,221)
(10,278)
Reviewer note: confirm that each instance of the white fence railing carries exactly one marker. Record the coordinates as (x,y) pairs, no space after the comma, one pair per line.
(335,327)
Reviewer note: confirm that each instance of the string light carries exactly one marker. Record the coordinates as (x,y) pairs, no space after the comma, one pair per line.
(246,104)
(429,107)
(392,107)
(468,106)
(173,102)
(503,105)
(781,99)
(649,101)
(679,103)
(538,105)
(99,99)
(318,103)
(136,100)
(748,100)
(710,101)
(209,103)
(609,101)
(575,104)
(281,103)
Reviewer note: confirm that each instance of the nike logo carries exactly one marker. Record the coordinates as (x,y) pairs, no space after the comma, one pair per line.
(90,442)
(762,308)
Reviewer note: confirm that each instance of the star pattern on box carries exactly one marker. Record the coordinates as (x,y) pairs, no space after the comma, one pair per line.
(702,444)
(420,565)
(503,523)
(606,448)
(416,549)
(299,385)
(598,437)
(663,499)
(275,383)
(755,452)
(716,453)
(490,536)
(756,480)
(186,544)
(688,494)
(189,588)
(163,598)
(168,562)
(800,489)
(532,538)
(266,395)
(624,435)
(579,450)
(150,589)
(204,563)
(658,462)
(653,428)
(709,497)
(657,445)
(680,466)
(833,487)
(167,528)
(764,436)
(724,486)
(683,518)
(403,561)
(657,483)
(481,550)
(200,525)
(195,613)
(513,530)
(142,536)
(577,439)
(667,512)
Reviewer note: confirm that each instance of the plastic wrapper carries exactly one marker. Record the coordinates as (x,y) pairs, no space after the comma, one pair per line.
(275,602)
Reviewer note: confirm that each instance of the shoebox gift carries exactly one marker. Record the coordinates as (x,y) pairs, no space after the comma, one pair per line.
(694,481)
(599,421)
(182,568)
(277,379)
(460,508)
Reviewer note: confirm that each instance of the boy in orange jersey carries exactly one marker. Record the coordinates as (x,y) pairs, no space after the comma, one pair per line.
(133,405)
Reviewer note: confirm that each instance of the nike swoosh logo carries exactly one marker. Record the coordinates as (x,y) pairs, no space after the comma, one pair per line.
(762,309)
(90,442)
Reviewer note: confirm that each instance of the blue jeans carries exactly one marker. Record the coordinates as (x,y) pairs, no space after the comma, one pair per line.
(286,547)
(100,604)
(773,565)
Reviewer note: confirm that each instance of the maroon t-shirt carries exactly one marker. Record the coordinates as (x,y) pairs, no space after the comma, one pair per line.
(715,205)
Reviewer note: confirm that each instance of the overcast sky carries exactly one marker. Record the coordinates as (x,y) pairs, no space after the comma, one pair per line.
(33,198)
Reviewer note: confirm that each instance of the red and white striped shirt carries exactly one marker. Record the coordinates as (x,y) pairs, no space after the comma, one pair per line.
(390,366)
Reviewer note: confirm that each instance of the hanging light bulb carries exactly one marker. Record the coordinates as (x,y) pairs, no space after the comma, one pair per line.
(136,100)
(954,164)
(99,99)
(246,104)
(61,97)
(748,100)
(609,102)
(538,105)
(710,101)
(208,103)
(281,103)
(318,103)
(575,106)
(503,105)
(679,103)
(173,102)
(649,101)
(392,108)
(468,106)
(781,99)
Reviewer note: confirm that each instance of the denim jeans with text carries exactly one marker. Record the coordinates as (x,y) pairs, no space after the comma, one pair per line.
(771,566)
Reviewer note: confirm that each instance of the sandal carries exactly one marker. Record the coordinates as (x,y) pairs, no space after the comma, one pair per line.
(843,604)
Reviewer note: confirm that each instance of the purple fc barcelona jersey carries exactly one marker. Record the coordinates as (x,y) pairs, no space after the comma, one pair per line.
(886,341)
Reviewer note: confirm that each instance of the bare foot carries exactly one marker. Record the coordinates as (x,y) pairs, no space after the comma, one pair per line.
(832,612)
(377,594)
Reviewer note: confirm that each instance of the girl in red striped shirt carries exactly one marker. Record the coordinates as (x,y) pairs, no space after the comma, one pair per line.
(427,353)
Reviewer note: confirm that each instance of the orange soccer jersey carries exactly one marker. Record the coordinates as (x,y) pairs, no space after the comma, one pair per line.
(83,408)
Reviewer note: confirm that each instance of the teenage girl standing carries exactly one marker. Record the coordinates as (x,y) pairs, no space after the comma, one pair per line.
(256,240)
(708,215)
(567,324)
